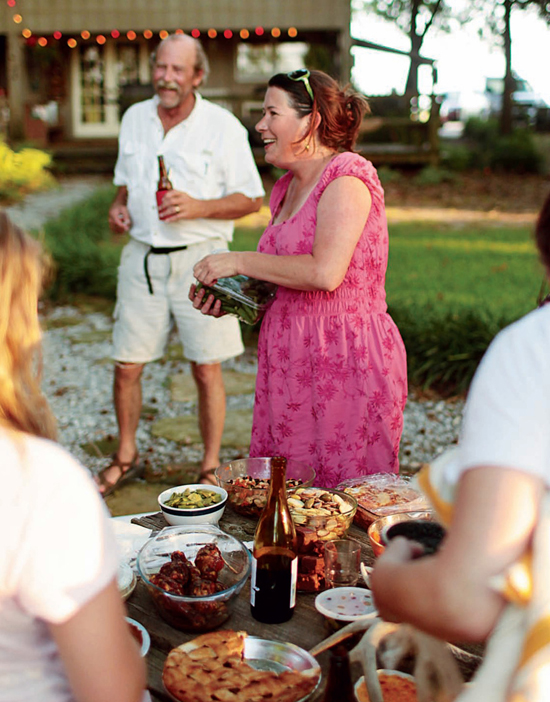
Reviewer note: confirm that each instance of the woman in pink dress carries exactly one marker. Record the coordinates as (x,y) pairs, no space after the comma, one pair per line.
(332,378)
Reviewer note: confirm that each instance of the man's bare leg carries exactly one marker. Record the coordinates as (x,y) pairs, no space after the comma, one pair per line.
(211,391)
(127,400)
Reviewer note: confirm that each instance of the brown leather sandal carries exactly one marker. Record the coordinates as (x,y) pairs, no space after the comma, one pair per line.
(206,477)
(129,470)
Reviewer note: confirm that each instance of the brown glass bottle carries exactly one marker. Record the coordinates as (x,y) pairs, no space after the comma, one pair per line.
(274,560)
(164,183)
(339,687)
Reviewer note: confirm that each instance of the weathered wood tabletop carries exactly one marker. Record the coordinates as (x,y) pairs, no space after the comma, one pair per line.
(306,628)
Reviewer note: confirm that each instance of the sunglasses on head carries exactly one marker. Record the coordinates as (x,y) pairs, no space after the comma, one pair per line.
(302,75)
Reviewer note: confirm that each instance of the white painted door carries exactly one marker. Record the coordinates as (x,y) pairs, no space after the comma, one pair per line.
(97,74)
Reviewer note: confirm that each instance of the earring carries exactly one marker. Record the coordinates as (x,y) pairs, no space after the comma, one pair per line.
(306,147)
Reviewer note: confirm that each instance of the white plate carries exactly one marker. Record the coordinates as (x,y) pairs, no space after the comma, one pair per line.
(345,604)
(126,579)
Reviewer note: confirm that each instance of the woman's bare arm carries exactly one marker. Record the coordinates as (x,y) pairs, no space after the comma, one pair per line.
(341,216)
(100,655)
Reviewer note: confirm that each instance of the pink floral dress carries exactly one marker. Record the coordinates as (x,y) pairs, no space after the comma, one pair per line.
(332,374)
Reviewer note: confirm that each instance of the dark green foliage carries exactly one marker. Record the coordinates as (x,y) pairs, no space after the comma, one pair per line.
(516,152)
(432,175)
(444,349)
(84,251)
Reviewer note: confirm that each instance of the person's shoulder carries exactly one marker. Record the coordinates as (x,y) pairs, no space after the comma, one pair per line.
(212,109)
(534,323)
(349,162)
(139,108)
(527,336)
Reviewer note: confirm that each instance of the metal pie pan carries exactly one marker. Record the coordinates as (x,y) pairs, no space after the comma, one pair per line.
(278,656)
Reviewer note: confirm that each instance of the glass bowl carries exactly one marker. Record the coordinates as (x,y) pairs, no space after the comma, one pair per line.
(200,613)
(328,512)
(247,479)
(380,526)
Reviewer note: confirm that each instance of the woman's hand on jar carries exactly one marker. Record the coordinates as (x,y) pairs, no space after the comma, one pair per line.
(217,265)
(205,302)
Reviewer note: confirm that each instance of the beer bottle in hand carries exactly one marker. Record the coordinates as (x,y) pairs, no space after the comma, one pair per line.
(275,560)
(164,183)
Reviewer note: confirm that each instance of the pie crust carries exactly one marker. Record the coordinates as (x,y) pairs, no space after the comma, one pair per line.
(211,668)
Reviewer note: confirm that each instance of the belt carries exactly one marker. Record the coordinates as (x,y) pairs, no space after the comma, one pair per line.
(157,250)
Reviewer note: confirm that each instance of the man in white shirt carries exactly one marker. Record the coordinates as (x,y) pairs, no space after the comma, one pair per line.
(215,181)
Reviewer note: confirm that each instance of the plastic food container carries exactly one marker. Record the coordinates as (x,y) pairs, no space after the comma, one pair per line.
(198,613)
(382,494)
(244,297)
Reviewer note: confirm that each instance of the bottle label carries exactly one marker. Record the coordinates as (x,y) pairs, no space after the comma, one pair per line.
(255,586)
(293,581)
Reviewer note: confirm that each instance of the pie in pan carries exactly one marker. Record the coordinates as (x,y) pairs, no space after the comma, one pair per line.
(211,668)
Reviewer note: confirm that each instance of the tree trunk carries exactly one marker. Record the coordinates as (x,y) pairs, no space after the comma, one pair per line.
(506,111)
(411,88)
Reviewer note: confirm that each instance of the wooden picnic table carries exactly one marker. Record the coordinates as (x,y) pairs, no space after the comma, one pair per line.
(305,629)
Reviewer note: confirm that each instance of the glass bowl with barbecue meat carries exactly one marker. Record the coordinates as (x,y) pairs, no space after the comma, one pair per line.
(194,575)
(246,481)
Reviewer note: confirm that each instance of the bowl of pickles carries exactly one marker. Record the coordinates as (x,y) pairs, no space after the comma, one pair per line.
(193,504)
(243,297)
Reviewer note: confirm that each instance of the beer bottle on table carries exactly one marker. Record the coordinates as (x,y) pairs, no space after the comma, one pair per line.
(339,687)
(164,183)
(274,560)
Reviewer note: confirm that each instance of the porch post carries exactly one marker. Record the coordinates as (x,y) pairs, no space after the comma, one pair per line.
(15,84)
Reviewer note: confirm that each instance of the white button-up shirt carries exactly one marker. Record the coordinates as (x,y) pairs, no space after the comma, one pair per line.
(207,156)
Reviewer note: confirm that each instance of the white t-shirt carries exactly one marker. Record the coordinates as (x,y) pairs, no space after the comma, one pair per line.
(208,156)
(507,415)
(56,553)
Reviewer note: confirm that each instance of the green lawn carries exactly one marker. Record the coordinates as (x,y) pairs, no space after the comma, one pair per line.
(449,268)
(490,269)
(449,288)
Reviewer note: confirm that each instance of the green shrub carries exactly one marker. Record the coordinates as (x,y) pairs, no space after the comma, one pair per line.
(457,157)
(444,348)
(516,152)
(389,175)
(84,251)
(432,175)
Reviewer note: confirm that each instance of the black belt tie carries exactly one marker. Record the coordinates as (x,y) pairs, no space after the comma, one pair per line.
(157,250)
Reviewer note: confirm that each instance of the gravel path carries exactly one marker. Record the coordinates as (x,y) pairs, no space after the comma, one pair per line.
(78,373)
(78,382)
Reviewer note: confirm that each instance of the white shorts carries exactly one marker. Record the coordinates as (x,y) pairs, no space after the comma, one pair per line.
(143,321)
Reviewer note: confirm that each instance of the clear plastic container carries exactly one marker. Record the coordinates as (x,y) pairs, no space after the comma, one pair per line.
(244,297)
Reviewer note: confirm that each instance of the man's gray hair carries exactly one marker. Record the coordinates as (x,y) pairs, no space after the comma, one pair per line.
(201,63)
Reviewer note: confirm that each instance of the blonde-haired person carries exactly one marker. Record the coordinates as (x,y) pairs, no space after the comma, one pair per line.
(332,375)
(63,634)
